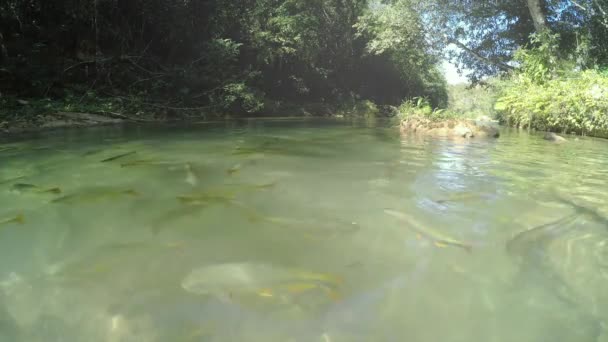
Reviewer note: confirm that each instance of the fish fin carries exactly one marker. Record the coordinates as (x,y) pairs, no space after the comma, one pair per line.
(253,218)
(440,244)
(234,169)
(271,185)
(132,192)
(295,289)
(468,248)
(120,156)
(337,279)
(418,236)
(19,219)
(225,297)
(156,228)
(56,191)
(265,293)
(174,245)
(333,294)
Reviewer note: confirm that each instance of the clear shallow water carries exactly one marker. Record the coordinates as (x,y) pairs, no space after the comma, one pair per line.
(278,231)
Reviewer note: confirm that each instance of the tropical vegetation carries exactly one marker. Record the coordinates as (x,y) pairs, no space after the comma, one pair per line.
(169,59)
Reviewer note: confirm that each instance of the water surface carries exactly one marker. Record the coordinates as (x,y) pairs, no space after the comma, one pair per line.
(279,231)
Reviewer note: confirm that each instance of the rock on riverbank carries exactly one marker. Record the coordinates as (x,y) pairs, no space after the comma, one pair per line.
(452,128)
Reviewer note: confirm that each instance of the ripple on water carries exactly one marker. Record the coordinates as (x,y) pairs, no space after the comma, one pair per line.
(96,268)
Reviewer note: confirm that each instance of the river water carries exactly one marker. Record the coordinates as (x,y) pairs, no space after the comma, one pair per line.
(302,230)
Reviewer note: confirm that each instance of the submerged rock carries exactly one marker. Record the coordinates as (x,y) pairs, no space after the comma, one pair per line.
(550,136)
(451,128)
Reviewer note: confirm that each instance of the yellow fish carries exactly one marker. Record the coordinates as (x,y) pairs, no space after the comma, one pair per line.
(95,194)
(265,293)
(438,238)
(27,187)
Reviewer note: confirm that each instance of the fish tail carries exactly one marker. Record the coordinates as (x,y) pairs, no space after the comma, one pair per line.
(440,244)
(183,200)
(132,192)
(265,293)
(268,185)
(253,218)
(333,294)
(56,191)
(468,248)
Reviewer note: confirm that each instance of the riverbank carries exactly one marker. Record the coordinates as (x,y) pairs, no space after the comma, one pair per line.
(33,115)
(577,104)
(418,117)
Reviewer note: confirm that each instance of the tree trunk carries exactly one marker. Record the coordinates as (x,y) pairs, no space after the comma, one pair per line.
(3,51)
(537,12)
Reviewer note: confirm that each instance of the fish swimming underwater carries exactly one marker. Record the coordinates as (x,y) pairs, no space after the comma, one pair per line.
(24,187)
(229,280)
(120,156)
(95,194)
(19,219)
(436,237)
(536,236)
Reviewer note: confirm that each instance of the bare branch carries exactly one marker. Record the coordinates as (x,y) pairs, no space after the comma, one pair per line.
(604,15)
(578,5)
(122,116)
(600,8)
(92,61)
(479,57)
(162,106)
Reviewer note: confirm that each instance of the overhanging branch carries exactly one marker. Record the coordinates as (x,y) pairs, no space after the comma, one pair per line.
(502,66)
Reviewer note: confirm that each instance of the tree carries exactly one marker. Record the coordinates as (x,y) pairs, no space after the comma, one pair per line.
(486,35)
(538,15)
(227,55)
(395,30)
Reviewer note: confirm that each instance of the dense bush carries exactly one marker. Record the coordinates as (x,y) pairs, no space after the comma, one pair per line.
(218,56)
(474,100)
(420,107)
(551,94)
(576,105)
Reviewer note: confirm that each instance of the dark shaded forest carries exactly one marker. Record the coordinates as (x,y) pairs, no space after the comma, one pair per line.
(258,57)
(238,56)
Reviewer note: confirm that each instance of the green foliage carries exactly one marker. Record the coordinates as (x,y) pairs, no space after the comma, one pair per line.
(394,27)
(577,105)
(483,36)
(238,95)
(229,56)
(395,30)
(549,93)
(474,100)
(12,108)
(539,64)
(359,108)
(421,107)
